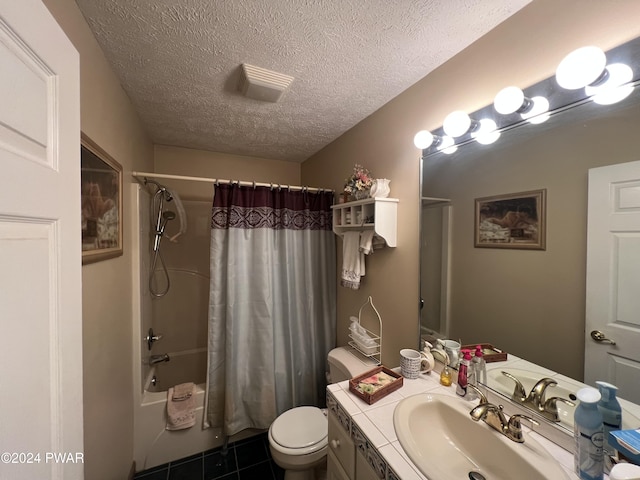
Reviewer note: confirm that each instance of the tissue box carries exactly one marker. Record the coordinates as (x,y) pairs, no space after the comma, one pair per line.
(627,443)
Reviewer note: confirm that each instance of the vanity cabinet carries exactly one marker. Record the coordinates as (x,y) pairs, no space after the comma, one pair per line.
(342,448)
(377,214)
(364,470)
(344,460)
(334,468)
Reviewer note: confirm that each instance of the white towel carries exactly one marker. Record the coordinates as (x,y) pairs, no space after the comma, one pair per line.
(378,243)
(182,391)
(366,242)
(180,414)
(352,261)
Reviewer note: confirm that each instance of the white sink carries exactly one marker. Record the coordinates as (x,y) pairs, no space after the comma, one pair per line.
(444,442)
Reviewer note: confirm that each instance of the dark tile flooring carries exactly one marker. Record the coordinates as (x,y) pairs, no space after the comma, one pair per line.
(247,459)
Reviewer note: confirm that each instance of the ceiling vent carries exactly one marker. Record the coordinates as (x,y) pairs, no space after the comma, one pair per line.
(262,84)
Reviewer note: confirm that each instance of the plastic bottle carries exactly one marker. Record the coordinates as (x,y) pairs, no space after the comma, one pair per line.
(480,366)
(611,414)
(588,433)
(463,373)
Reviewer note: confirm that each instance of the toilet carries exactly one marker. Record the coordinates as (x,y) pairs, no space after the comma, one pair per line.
(298,437)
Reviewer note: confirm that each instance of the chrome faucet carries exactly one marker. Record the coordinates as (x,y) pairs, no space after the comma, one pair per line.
(536,397)
(493,416)
(153,359)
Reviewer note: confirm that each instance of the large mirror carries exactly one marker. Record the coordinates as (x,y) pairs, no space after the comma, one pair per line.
(530,303)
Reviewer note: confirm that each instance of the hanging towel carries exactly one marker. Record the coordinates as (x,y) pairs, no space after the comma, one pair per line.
(378,243)
(366,242)
(352,261)
(182,392)
(180,414)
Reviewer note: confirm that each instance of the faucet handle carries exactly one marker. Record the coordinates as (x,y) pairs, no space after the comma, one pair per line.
(536,395)
(152,337)
(483,398)
(514,427)
(519,393)
(550,406)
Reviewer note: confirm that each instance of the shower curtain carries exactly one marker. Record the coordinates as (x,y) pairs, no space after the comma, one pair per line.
(272,304)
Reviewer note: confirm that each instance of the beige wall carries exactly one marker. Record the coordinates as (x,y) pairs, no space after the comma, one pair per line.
(201,163)
(521,51)
(109,119)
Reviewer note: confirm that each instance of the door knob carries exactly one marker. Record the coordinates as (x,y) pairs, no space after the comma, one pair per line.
(598,336)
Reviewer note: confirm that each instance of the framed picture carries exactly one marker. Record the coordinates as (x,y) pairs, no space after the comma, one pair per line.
(516,220)
(101,191)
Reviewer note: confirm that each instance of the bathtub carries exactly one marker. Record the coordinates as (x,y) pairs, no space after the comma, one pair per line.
(153,444)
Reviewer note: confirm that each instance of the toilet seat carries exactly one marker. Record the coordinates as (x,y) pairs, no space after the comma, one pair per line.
(299,431)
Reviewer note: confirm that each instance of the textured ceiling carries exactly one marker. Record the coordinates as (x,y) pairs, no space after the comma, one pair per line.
(179,62)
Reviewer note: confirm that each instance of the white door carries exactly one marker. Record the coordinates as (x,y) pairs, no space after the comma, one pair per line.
(613,279)
(40,285)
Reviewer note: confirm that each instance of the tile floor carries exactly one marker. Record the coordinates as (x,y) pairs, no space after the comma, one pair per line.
(247,459)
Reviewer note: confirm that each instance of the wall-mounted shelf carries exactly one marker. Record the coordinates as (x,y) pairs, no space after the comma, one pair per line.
(377,214)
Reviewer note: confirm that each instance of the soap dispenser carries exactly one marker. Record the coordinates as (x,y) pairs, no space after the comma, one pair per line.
(427,358)
(445,374)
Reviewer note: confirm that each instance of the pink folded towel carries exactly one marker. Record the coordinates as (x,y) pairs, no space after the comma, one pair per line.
(181,414)
(182,391)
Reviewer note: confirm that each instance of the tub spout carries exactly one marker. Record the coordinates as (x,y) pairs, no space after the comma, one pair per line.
(153,359)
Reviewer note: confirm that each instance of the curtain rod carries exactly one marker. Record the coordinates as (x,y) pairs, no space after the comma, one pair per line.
(140,176)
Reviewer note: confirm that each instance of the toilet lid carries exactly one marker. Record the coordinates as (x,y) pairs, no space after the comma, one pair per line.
(300,427)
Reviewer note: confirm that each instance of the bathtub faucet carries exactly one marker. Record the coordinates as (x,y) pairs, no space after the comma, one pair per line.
(153,359)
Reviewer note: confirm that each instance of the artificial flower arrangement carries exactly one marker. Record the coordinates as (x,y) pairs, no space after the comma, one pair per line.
(359,181)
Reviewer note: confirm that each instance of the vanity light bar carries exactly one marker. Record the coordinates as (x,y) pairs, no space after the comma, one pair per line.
(585,68)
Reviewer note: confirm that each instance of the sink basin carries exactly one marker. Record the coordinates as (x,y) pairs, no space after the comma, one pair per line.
(443,441)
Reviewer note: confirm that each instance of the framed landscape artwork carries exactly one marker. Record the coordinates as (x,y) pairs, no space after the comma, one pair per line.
(516,220)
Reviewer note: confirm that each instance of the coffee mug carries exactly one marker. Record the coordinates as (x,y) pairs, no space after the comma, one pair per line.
(452,348)
(413,363)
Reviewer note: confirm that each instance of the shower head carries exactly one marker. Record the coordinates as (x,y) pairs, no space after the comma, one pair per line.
(162,223)
(160,189)
(166,216)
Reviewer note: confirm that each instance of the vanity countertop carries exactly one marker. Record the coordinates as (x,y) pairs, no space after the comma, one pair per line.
(375,424)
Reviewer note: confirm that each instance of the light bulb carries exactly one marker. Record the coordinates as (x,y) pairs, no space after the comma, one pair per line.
(447,145)
(510,100)
(423,139)
(487,133)
(456,124)
(539,113)
(615,88)
(581,67)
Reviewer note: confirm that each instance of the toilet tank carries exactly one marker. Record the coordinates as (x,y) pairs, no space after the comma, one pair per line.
(343,365)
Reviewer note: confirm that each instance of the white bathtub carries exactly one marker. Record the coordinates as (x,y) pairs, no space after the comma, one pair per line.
(153,444)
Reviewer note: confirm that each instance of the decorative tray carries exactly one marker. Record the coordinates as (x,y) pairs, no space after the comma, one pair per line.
(375,384)
(490,353)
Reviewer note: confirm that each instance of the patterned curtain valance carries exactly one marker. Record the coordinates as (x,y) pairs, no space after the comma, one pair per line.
(237,206)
